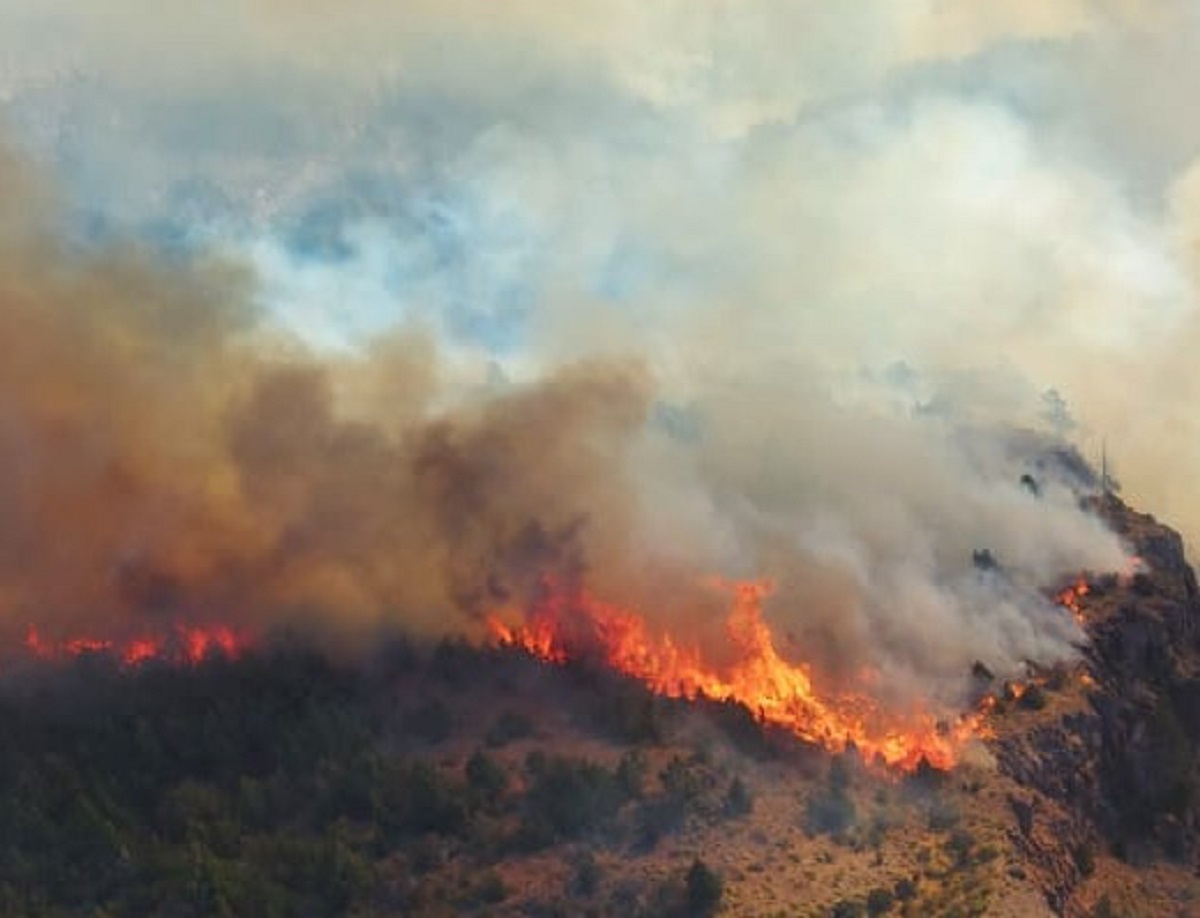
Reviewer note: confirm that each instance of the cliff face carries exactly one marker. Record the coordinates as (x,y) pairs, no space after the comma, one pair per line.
(1113,764)
(1145,657)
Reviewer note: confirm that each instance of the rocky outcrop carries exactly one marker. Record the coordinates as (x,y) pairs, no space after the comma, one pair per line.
(1144,654)
(1120,768)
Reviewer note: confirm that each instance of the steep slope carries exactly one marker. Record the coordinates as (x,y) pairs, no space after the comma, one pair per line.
(1108,769)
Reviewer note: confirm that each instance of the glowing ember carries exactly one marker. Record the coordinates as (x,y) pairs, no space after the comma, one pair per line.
(561,627)
(1071,598)
(186,644)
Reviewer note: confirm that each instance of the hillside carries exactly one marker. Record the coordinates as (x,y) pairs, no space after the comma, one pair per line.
(454,779)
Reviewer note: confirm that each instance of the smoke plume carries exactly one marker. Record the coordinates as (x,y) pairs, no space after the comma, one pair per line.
(384,315)
(166,453)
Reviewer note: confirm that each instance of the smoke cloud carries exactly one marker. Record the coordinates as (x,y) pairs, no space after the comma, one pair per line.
(380,315)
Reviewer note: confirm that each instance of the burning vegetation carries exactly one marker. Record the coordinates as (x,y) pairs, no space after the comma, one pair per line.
(781,694)
(183,644)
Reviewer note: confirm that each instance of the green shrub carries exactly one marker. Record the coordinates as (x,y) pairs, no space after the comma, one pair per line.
(829,812)
(1033,698)
(683,779)
(586,878)
(571,796)
(738,799)
(631,774)
(847,908)
(485,776)
(959,845)
(880,901)
(704,889)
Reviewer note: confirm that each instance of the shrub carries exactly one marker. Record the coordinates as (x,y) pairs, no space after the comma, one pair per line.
(880,901)
(943,815)
(490,890)
(416,799)
(509,726)
(586,878)
(960,845)
(846,908)
(905,889)
(659,817)
(1085,859)
(631,774)
(704,889)
(570,796)
(630,715)
(684,780)
(455,662)
(1033,698)
(829,812)
(430,721)
(486,776)
(738,799)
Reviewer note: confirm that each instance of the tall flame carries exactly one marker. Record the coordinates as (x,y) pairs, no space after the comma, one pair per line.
(560,627)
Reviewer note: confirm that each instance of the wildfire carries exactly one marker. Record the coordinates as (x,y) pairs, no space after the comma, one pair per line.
(185,644)
(1071,598)
(561,626)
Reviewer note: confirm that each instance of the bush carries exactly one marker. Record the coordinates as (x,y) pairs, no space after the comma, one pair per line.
(744,730)
(657,818)
(455,662)
(684,780)
(631,774)
(571,796)
(586,879)
(490,890)
(430,721)
(509,726)
(738,799)
(417,799)
(704,889)
(880,901)
(943,815)
(630,715)
(486,777)
(829,812)
(847,908)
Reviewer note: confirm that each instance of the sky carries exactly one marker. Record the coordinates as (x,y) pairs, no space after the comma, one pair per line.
(840,240)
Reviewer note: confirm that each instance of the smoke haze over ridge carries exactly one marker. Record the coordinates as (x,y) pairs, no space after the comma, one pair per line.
(379,313)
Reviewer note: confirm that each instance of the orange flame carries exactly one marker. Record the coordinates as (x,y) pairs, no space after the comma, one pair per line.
(187,645)
(560,627)
(1071,598)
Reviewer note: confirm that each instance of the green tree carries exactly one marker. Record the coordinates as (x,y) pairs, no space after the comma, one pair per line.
(703,889)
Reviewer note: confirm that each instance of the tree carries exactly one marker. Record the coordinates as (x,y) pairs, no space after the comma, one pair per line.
(704,889)
(486,776)
(738,799)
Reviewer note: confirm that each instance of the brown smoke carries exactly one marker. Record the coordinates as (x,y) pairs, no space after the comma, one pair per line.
(165,455)
(157,458)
